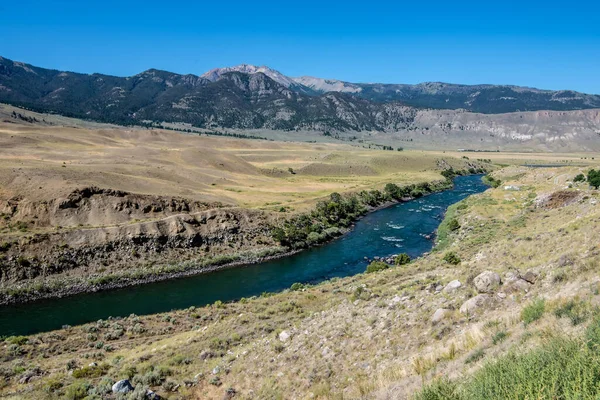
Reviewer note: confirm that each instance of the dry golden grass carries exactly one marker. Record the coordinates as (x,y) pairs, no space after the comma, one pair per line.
(380,344)
(42,162)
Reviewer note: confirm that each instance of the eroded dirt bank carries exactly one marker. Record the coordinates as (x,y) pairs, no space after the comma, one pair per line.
(102,236)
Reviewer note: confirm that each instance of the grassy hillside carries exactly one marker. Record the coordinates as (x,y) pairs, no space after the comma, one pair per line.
(85,206)
(385,335)
(62,154)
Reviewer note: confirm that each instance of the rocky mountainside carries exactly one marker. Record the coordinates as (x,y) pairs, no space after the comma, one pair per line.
(487,99)
(216,73)
(230,100)
(248,97)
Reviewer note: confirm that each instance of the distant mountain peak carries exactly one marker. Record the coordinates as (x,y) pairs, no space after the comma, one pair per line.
(327,85)
(216,73)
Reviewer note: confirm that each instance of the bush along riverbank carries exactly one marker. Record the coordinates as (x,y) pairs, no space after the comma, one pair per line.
(329,219)
(333,217)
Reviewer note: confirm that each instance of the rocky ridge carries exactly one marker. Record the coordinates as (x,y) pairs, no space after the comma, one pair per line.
(248,97)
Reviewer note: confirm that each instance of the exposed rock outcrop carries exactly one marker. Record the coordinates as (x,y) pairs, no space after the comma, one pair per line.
(472,305)
(487,282)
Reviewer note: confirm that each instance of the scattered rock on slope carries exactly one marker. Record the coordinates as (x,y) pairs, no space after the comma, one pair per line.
(529,277)
(452,286)
(122,386)
(439,315)
(474,303)
(486,282)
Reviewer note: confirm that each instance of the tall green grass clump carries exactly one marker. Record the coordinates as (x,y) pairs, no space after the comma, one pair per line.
(533,311)
(561,368)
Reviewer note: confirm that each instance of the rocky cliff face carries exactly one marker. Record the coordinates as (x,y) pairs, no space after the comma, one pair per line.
(541,130)
(94,229)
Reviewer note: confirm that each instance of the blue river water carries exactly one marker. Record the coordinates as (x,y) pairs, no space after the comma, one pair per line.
(402,228)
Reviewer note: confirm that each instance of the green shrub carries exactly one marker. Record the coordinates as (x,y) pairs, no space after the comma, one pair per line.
(154,377)
(129,372)
(91,372)
(489,180)
(77,390)
(297,286)
(15,350)
(559,369)
(592,335)
(499,337)
(18,340)
(169,385)
(402,259)
(453,224)
(53,385)
(576,311)
(180,359)
(448,173)
(451,258)
(376,266)
(533,311)
(105,386)
(593,178)
(218,304)
(579,178)
(475,356)
(442,389)
(360,293)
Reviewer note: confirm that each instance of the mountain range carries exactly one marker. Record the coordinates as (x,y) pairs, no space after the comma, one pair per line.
(489,99)
(250,97)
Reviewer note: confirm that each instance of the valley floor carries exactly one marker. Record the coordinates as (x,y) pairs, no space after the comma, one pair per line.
(85,205)
(527,263)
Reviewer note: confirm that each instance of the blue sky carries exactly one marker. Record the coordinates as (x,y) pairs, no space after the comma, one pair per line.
(531,43)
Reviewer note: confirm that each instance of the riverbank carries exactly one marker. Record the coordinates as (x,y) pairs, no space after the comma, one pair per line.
(59,287)
(527,272)
(144,203)
(405,227)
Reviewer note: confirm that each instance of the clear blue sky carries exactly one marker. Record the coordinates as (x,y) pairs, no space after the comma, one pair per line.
(544,44)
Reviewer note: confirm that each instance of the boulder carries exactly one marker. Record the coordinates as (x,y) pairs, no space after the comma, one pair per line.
(284,336)
(486,282)
(439,315)
(151,395)
(229,394)
(122,386)
(517,286)
(529,276)
(452,286)
(473,304)
(564,260)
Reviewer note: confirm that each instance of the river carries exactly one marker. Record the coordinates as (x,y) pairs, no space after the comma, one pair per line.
(401,228)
